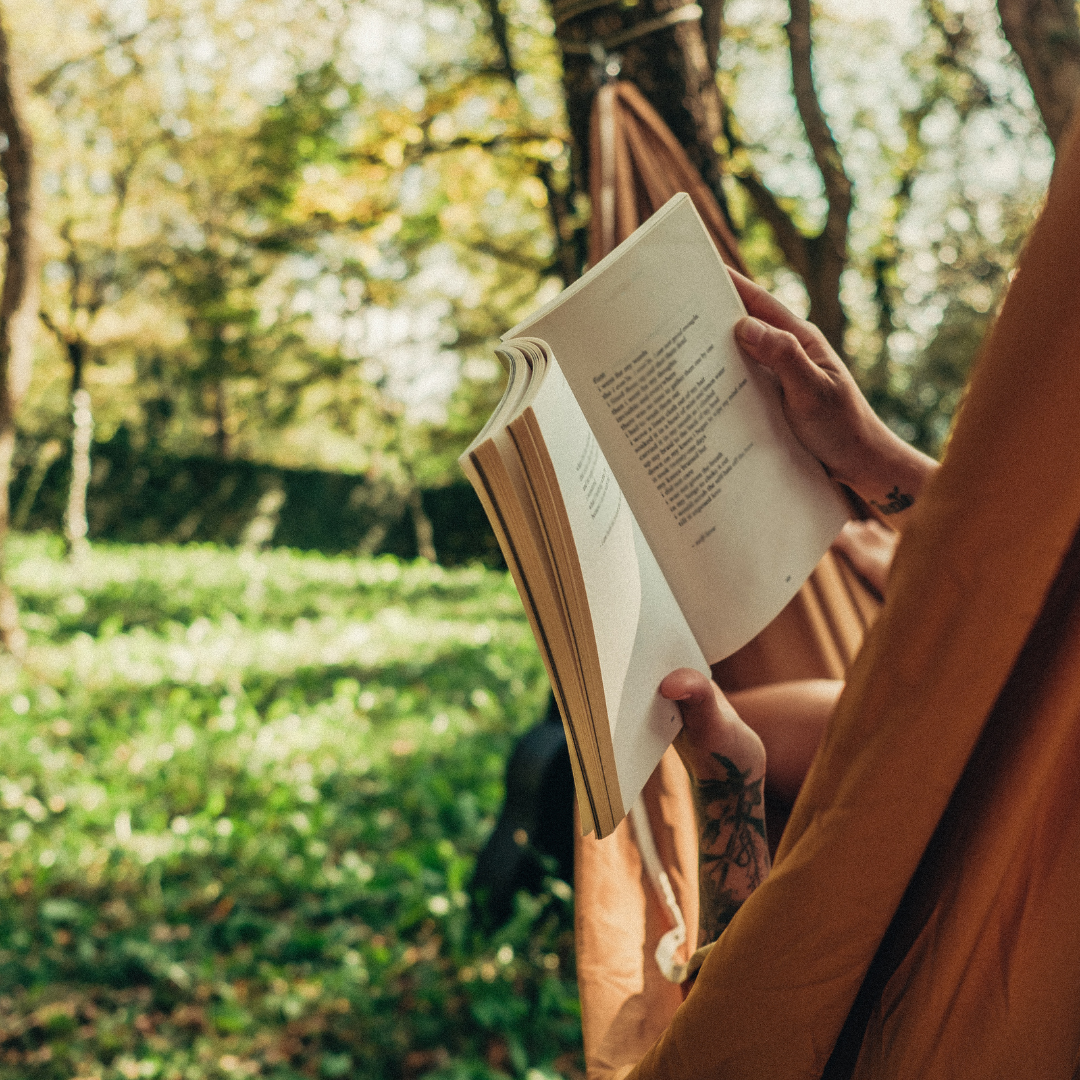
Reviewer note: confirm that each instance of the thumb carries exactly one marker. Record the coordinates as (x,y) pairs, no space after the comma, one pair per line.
(783,354)
(710,725)
(696,698)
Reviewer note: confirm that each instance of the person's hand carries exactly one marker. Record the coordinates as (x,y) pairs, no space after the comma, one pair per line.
(726,763)
(712,729)
(825,408)
(869,546)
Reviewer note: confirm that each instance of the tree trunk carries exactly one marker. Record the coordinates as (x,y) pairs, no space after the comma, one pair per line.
(664,57)
(222,439)
(425,531)
(76,525)
(76,350)
(260,530)
(1045,35)
(674,66)
(48,453)
(18,307)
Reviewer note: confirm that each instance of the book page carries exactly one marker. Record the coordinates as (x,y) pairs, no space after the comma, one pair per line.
(494,467)
(646,723)
(641,635)
(736,512)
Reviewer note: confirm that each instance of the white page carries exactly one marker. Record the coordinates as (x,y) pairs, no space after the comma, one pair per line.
(641,634)
(735,510)
(646,722)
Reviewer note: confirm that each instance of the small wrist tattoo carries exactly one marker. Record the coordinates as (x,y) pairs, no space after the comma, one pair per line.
(897,501)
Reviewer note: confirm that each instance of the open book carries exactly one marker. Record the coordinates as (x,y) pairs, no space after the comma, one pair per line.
(652,504)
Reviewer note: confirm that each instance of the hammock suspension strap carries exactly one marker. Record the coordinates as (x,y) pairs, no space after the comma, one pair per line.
(686,13)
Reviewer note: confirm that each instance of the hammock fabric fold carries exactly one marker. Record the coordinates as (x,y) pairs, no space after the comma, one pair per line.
(923,903)
(637,165)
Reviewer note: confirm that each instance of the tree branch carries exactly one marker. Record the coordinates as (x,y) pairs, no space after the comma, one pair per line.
(513,258)
(792,243)
(822,144)
(712,29)
(416,152)
(819,260)
(559,213)
(500,32)
(46,82)
(51,326)
(958,44)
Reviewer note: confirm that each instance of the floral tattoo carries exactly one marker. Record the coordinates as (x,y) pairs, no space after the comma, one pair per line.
(734,854)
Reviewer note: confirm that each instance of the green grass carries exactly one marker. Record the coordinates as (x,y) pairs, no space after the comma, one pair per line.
(240,799)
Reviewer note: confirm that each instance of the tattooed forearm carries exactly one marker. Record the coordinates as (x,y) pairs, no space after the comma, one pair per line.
(734,855)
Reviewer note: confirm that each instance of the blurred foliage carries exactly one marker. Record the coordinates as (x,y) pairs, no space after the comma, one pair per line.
(256,250)
(290,232)
(137,497)
(241,799)
(939,133)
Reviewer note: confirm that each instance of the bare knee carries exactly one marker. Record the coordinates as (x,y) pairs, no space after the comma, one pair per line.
(790,719)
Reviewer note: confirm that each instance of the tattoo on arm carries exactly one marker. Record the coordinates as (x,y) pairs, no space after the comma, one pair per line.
(734,854)
(897,501)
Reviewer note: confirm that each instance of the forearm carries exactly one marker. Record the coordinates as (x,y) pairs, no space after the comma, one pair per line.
(726,763)
(733,850)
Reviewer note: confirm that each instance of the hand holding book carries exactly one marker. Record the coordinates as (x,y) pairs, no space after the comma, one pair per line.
(825,408)
(725,760)
(649,488)
(724,756)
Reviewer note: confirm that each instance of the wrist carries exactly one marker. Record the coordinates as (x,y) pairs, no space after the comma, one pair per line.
(730,740)
(889,473)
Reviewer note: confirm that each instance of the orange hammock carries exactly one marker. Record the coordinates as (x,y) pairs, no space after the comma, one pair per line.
(921,916)
(623,912)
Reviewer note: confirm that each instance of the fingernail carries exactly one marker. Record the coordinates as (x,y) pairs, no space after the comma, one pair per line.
(675,697)
(750,330)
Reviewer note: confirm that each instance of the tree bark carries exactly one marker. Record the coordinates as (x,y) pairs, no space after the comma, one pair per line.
(669,65)
(827,252)
(674,67)
(76,525)
(425,531)
(222,436)
(18,306)
(712,27)
(1045,35)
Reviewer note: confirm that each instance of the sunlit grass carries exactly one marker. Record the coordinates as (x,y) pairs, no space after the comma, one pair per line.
(240,801)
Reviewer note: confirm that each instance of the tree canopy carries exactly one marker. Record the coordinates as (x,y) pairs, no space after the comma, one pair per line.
(290,230)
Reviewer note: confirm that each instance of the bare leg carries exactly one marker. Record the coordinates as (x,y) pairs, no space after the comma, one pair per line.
(790,720)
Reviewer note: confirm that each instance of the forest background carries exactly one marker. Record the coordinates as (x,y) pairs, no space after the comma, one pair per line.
(265,248)
(287,234)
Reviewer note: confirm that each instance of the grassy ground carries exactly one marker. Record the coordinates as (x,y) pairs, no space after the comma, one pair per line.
(240,799)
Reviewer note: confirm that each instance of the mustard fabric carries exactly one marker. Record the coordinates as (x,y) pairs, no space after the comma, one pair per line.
(948,777)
